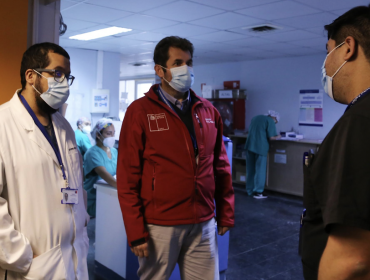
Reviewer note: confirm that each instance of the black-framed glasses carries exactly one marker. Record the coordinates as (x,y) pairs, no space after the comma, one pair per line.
(59,76)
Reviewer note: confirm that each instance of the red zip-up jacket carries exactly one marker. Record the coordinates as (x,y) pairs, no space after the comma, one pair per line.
(158,180)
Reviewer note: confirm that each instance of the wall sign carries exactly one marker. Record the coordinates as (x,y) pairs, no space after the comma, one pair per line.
(311,107)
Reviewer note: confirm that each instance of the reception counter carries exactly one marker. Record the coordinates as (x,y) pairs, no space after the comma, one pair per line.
(285,165)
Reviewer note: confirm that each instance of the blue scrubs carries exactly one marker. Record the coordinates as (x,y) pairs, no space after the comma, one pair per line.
(96,157)
(83,142)
(260,130)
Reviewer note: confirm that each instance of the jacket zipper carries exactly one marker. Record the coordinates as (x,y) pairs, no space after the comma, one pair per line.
(153,188)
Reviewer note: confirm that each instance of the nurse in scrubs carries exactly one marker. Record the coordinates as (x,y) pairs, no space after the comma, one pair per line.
(100,161)
(81,133)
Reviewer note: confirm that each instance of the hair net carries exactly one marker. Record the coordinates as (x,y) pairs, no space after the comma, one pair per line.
(100,125)
(82,120)
(274,114)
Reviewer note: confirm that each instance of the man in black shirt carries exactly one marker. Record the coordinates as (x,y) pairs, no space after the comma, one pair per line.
(336,226)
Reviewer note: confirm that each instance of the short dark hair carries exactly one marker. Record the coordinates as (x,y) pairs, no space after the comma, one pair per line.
(36,56)
(355,23)
(161,55)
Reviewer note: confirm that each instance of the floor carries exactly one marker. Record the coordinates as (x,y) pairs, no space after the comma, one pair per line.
(263,243)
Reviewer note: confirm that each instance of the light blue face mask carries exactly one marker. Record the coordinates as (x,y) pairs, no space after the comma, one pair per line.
(182,78)
(56,94)
(327,81)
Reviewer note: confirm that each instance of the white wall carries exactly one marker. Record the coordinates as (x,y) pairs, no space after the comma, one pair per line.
(84,68)
(274,84)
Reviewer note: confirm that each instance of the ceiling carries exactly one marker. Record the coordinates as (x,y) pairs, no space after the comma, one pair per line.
(215,27)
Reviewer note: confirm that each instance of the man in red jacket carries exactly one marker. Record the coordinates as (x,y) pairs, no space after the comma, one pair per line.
(173,172)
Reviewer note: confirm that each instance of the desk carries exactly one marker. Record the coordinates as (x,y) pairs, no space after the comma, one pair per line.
(285,165)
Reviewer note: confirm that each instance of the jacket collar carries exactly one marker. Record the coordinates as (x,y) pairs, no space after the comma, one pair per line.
(152,94)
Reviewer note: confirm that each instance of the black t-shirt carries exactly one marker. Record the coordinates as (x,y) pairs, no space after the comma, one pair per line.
(337,184)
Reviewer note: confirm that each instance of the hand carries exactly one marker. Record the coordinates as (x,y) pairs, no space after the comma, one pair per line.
(222,230)
(141,250)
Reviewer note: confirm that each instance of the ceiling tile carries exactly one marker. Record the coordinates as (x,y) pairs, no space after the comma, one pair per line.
(249,42)
(75,24)
(330,5)
(220,36)
(143,22)
(318,30)
(94,13)
(147,36)
(183,11)
(66,4)
(308,21)
(185,30)
(231,5)
(135,6)
(288,36)
(227,21)
(65,42)
(278,10)
(317,43)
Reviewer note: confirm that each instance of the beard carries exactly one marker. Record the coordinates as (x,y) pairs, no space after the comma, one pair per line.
(41,104)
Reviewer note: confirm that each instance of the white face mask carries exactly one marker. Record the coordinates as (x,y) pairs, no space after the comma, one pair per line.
(327,82)
(109,142)
(57,93)
(182,78)
(86,129)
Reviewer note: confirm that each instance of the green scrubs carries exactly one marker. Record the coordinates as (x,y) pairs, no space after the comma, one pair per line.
(96,157)
(260,130)
(83,142)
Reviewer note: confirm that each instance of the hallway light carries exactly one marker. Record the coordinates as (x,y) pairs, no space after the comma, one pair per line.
(100,33)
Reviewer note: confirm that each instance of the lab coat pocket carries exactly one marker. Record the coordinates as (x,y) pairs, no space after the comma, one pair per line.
(47,266)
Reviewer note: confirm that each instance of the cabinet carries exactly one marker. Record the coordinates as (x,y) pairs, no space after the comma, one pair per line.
(239,168)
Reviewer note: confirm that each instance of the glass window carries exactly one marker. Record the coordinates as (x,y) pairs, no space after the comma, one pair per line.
(130,90)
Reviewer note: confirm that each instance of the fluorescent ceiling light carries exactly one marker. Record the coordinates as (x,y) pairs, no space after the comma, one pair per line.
(100,33)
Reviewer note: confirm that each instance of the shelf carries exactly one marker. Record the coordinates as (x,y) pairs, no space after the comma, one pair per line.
(239,158)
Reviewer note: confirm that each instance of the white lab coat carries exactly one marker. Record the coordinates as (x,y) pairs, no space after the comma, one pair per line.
(32,218)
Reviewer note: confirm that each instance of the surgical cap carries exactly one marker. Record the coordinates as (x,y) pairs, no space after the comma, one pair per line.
(274,114)
(100,125)
(82,120)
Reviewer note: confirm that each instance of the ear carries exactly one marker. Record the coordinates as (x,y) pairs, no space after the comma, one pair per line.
(30,76)
(350,46)
(159,71)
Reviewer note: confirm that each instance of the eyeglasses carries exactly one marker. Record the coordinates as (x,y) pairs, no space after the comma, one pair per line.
(59,76)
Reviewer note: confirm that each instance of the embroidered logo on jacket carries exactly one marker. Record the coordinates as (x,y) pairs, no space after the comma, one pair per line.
(209,121)
(157,122)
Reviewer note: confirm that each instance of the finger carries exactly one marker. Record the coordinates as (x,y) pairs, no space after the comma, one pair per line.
(146,252)
(132,250)
(136,251)
(219,231)
(140,252)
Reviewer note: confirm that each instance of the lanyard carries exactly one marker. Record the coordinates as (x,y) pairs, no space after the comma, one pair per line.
(357,98)
(164,99)
(46,134)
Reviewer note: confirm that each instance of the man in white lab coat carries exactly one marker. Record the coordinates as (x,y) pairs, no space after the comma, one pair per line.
(42,236)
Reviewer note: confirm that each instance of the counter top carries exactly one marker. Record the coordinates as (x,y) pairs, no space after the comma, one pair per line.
(303,141)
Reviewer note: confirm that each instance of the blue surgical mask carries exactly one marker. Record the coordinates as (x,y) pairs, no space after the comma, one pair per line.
(56,94)
(182,78)
(327,81)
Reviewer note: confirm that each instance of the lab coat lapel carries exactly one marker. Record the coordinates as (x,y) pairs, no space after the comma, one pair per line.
(22,117)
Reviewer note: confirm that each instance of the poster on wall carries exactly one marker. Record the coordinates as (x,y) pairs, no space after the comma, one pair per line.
(311,107)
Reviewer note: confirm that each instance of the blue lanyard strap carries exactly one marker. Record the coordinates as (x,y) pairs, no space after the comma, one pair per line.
(358,97)
(46,134)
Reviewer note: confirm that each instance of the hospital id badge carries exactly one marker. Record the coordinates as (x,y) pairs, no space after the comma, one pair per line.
(70,196)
